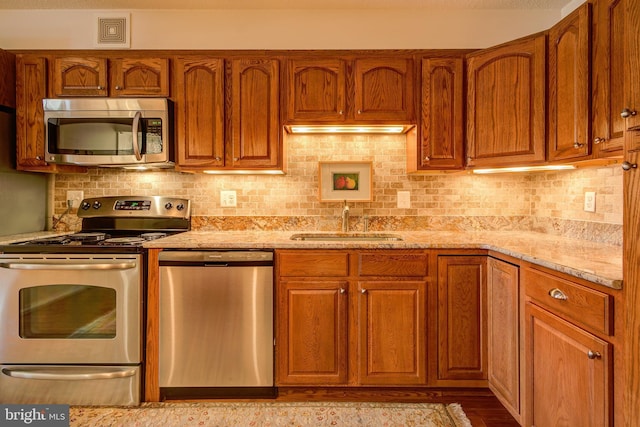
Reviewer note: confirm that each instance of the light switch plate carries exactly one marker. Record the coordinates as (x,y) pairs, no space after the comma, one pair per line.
(75,197)
(404,199)
(590,201)
(228,199)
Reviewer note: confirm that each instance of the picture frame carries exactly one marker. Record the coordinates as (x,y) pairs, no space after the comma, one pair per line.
(345,181)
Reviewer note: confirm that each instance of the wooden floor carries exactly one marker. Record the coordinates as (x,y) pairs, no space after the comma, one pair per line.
(481,407)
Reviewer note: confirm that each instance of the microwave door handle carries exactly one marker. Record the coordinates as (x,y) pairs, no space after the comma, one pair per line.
(134,130)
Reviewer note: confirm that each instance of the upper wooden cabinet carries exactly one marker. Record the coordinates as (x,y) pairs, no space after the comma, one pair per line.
(227,114)
(350,90)
(7,79)
(31,88)
(384,89)
(316,90)
(631,106)
(199,111)
(441,134)
(254,134)
(607,90)
(90,76)
(139,77)
(569,78)
(506,104)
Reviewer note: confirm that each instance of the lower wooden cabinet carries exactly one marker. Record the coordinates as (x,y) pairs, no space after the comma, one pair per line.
(568,353)
(461,321)
(313,324)
(392,332)
(503,333)
(351,317)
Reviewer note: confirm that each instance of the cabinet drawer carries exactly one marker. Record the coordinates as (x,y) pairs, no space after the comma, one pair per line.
(582,305)
(393,264)
(313,264)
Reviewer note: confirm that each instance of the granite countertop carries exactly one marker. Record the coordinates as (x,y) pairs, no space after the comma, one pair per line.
(597,262)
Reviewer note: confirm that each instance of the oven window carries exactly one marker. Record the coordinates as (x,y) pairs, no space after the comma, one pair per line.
(67,311)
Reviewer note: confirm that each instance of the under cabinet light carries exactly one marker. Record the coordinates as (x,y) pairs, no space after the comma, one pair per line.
(524,169)
(391,129)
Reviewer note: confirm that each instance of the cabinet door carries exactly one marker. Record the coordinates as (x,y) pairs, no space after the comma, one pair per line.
(608,88)
(311,333)
(506,104)
(199,112)
(632,64)
(503,332)
(569,96)
(255,114)
(384,90)
(568,373)
(316,90)
(140,77)
(73,76)
(441,143)
(8,80)
(462,318)
(31,88)
(392,332)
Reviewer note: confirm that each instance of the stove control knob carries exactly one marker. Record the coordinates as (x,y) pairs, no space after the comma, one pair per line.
(168,205)
(97,205)
(85,205)
(180,206)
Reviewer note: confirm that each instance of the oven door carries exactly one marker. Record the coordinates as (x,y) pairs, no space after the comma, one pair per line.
(70,309)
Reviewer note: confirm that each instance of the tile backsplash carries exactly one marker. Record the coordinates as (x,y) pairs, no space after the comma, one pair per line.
(550,202)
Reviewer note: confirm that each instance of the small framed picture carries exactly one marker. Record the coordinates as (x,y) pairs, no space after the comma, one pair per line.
(345,181)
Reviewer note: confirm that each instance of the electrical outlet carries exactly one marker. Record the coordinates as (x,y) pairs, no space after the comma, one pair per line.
(75,197)
(404,199)
(590,201)
(228,199)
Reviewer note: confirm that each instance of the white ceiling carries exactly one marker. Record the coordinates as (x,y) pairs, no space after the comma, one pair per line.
(283,4)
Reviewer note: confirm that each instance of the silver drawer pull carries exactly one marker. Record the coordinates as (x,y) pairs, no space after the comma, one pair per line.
(594,355)
(558,294)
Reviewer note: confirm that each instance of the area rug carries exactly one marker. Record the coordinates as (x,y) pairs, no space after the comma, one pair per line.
(271,414)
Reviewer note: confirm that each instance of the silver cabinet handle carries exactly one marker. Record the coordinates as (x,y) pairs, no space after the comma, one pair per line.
(594,355)
(56,374)
(577,145)
(626,113)
(364,291)
(118,88)
(558,294)
(134,131)
(343,290)
(598,140)
(628,166)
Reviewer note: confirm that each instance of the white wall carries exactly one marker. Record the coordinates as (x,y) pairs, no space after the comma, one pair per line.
(279,29)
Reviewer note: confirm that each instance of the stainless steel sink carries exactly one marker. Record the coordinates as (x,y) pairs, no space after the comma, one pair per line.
(350,237)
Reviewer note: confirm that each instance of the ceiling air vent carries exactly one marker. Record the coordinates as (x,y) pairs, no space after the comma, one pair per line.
(112,31)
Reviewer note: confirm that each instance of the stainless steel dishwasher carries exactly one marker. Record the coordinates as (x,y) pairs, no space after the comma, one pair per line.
(216,324)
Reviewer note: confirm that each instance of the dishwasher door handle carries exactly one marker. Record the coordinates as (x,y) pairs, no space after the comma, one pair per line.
(220,264)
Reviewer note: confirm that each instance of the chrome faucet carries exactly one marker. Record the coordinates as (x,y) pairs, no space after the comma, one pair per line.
(345,217)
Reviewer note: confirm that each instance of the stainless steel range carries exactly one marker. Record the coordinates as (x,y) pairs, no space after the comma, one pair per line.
(71,307)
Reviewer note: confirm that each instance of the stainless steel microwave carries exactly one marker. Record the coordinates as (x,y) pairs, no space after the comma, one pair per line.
(109,132)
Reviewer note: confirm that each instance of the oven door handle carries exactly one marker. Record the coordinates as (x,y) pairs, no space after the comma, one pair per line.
(68,374)
(59,266)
